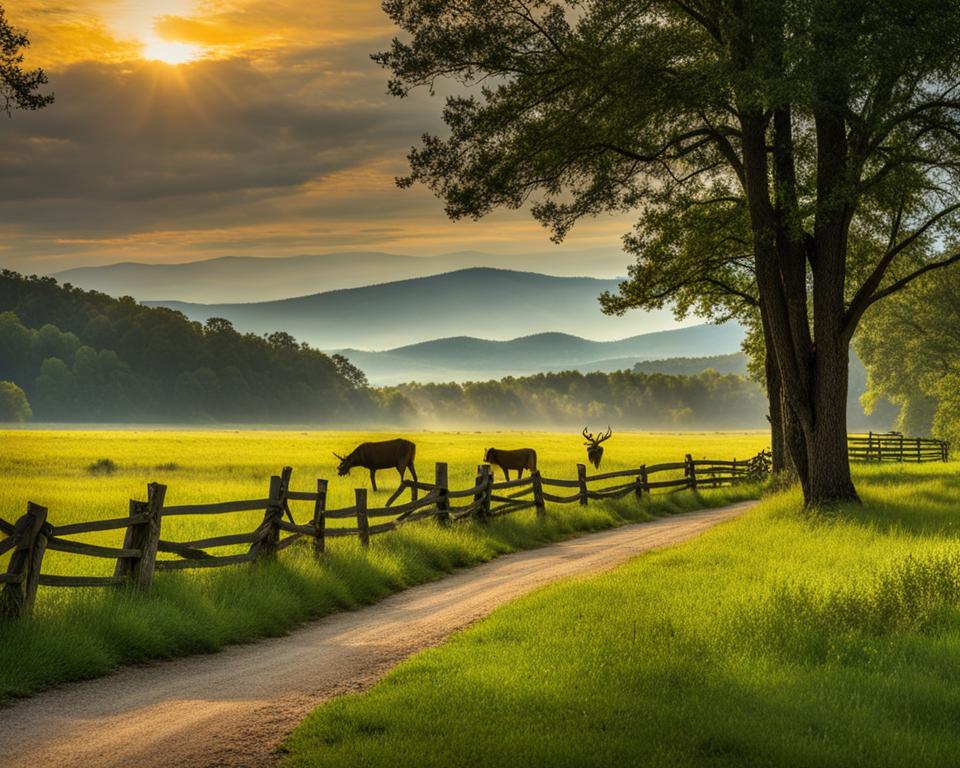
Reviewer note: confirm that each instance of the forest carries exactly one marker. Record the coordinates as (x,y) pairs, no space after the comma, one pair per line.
(84,356)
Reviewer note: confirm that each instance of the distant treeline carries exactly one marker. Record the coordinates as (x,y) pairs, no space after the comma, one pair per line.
(83,356)
(708,400)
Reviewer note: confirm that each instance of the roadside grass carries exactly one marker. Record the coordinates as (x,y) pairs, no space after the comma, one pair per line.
(82,633)
(779,639)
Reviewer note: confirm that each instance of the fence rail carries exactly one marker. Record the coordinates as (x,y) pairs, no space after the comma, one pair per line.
(893,446)
(136,560)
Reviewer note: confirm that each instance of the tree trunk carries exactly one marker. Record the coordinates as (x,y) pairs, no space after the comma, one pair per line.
(829,474)
(778,446)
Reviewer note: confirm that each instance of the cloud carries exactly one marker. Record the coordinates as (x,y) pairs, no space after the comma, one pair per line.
(281,140)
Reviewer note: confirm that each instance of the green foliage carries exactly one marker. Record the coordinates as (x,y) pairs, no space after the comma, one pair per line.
(911,347)
(14,406)
(84,356)
(780,639)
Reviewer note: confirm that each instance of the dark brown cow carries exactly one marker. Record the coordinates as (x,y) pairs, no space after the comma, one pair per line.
(389,454)
(519,459)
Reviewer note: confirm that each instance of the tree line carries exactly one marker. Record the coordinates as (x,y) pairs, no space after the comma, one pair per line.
(569,399)
(84,356)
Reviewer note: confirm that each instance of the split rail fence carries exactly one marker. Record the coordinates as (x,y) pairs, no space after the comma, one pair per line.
(136,560)
(893,446)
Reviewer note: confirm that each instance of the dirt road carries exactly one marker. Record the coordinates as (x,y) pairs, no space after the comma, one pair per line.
(233,708)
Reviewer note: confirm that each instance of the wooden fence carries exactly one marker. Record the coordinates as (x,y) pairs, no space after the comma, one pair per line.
(136,561)
(893,446)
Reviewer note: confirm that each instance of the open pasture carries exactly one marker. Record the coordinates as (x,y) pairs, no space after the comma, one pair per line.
(77,633)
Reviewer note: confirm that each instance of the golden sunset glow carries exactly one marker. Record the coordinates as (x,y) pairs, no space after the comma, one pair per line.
(190,129)
(170,52)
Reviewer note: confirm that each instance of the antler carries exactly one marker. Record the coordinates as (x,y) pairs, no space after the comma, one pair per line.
(338,456)
(606,436)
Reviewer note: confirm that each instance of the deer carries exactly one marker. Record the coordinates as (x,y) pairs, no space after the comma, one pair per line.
(396,454)
(518,459)
(594,449)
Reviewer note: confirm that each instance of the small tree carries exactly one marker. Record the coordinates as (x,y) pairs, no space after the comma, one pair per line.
(18,87)
(14,406)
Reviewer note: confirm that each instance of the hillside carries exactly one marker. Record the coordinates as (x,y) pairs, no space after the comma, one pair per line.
(498,304)
(471,359)
(251,279)
(84,356)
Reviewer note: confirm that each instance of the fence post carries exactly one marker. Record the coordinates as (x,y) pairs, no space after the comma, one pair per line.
(582,481)
(363,524)
(918,450)
(642,483)
(690,471)
(478,482)
(538,501)
(487,491)
(145,536)
(944,451)
(901,447)
(266,546)
(320,518)
(442,488)
(23,571)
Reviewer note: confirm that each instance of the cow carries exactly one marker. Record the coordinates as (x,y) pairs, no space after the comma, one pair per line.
(519,459)
(594,449)
(389,454)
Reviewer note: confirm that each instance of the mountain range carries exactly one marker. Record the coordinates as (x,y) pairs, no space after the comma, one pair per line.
(479,302)
(464,358)
(251,279)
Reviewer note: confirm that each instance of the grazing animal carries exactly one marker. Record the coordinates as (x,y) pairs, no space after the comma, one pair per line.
(594,449)
(519,459)
(389,454)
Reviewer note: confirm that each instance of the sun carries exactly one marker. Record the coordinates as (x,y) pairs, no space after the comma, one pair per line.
(169,52)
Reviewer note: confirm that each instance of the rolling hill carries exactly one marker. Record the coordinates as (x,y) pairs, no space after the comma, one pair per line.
(469,359)
(250,279)
(492,303)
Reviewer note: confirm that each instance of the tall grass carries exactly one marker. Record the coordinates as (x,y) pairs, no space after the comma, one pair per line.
(779,639)
(85,632)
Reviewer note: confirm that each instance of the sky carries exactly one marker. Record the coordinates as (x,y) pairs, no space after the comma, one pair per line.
(187,130)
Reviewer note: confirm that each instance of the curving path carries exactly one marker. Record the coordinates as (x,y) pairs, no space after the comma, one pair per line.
(233,708)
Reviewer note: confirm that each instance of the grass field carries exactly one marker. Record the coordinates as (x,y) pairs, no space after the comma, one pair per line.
(779,639)
(86,632)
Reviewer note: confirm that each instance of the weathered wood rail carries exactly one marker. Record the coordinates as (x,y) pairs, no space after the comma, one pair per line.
(893,446)
(137,559)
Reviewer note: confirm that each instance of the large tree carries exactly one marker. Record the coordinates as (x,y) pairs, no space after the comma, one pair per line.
(824,119)
(19,87)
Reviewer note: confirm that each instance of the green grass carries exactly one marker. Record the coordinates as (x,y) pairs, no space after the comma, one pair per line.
(80,633)
(779,639)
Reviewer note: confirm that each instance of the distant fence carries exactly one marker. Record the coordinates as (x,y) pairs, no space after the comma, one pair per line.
(893,446)
(136,561)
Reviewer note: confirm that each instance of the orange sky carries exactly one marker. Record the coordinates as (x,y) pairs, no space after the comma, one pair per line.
(185,130)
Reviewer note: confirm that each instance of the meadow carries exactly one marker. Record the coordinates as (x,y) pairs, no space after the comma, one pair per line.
(783,638)
(77,633)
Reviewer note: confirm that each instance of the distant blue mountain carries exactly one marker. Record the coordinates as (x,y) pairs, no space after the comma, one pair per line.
(477,302)
(463,358)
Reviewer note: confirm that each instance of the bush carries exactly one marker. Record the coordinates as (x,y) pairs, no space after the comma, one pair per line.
(14,406)
(102,467)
